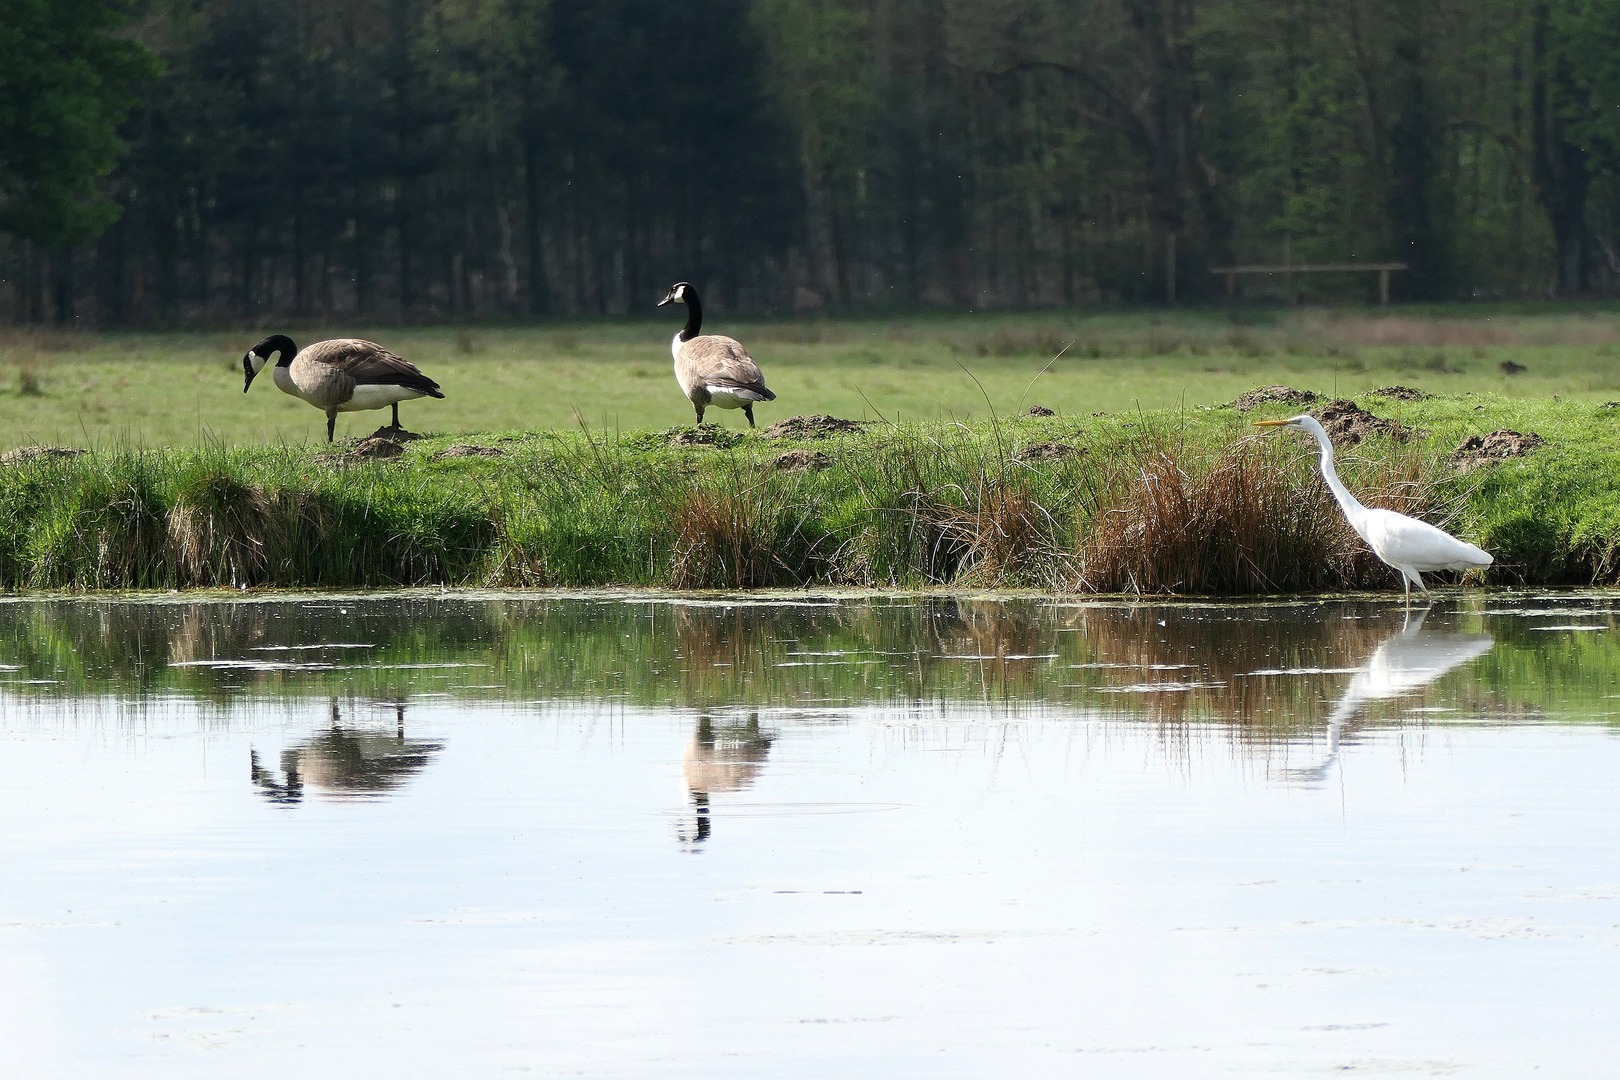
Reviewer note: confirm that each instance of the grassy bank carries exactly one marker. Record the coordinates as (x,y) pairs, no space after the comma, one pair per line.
(1190,501)
(150,389)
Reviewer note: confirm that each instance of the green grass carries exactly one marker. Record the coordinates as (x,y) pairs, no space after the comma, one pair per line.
(184,389)
(932,503)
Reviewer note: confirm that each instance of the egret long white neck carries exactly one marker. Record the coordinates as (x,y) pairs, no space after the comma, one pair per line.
(1347,502)
(694,314)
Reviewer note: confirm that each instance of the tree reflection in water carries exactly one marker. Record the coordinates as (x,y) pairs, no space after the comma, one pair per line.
(720,758)
(344,762)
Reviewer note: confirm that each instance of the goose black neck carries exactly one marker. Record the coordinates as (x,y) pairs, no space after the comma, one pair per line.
(694,314)
(283,344)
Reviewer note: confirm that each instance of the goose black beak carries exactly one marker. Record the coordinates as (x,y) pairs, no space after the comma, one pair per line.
(666,300)
(247,367)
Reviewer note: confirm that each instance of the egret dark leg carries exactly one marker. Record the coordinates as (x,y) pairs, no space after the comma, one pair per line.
(331,424)
(748,411)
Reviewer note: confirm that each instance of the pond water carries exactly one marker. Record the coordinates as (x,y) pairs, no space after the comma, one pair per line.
(474,835)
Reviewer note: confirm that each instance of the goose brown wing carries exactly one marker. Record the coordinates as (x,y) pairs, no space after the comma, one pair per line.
(722,361)
(369,364)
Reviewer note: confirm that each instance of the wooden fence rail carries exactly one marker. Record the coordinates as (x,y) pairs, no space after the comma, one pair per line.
(1288,270)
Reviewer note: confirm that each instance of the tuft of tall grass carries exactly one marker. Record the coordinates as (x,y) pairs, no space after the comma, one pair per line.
(103,528)
(1252,517)
(944,507)
(741,532)
(29,381)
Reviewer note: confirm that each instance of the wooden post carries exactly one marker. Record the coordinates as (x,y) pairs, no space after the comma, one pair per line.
(1288,266)
(1383,288)
(1170,268)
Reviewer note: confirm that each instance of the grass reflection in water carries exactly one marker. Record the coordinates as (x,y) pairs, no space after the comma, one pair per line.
(1260,670)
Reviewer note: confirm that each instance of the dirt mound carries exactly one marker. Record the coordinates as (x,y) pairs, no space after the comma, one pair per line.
(1499,445)
(1348,423)
(707,435)
(35,453)
(1272,395)
(394,434)
(1402,393)
(815,426)
(1508,367)
(362,451)
(801,459)
(375,449)
(1040,410)
(468,450)
(1046,451)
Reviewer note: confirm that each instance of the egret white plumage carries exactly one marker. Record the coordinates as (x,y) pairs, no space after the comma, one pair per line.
(1411,546)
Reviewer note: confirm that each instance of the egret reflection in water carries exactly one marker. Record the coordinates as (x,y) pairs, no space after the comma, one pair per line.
(720,758)
(1404,661)
(344,761)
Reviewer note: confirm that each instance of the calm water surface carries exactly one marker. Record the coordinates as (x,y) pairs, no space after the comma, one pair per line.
(461,835)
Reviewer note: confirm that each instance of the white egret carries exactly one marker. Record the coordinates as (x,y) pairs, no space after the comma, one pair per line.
(1411,546)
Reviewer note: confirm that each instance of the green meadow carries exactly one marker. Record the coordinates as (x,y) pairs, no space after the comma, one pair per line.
(154,390)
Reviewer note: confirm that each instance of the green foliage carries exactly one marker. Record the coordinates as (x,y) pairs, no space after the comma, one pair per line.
(67,78)
(401,160)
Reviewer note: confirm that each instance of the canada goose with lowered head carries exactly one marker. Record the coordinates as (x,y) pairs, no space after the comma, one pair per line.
(340,375)
(711,369)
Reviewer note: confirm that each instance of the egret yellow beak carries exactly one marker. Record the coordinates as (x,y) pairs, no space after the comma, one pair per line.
(1269,423)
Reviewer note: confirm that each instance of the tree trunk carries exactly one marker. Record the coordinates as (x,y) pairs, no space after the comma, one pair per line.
(1560,167)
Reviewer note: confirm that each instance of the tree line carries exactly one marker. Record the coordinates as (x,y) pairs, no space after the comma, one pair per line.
(174,162)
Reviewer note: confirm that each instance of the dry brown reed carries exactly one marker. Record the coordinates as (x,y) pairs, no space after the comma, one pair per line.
(998,534)
(1253,517)
(739,536)
(221,532)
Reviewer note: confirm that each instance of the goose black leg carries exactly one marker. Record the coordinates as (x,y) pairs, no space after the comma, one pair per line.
(748,411)
(396,416)
(331,423)
(699,409)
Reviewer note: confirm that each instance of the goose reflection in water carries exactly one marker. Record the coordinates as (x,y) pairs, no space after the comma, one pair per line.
(344,762)
(720,758)
(1404,661)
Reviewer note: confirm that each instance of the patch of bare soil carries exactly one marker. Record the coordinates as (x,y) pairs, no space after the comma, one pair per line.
(1508,367)
(801,459)
(1499,445)
(35,453)
(467,450)
(1040,410)
(1271,395)
(364,450)
(394,434)
(1348,423)
(1046,451)
(815,426)
(1402,393)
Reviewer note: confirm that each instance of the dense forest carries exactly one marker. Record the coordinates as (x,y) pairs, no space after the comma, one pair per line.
(427,160)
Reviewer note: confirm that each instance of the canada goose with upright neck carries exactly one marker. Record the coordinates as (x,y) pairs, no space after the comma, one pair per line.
(340,375)
(711,369)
